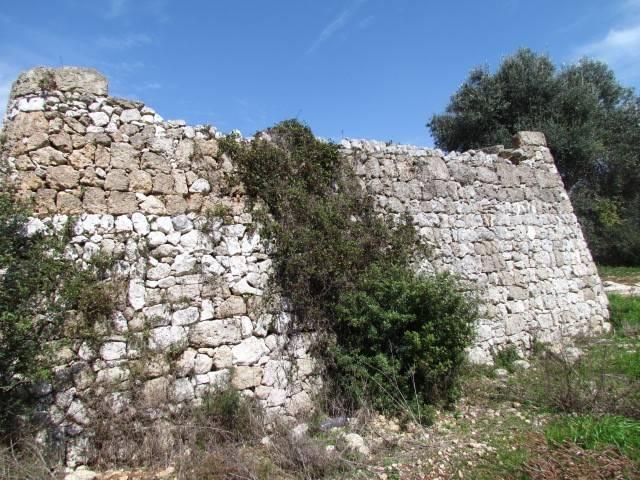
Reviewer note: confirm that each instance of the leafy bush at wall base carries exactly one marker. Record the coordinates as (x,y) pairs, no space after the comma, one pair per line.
(401,339)
(37,286)
(346,270)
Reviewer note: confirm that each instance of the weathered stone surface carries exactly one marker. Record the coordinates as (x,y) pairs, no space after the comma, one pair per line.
(94,200)
(246,377)
(124,156)
(68,203)
(120,203)
(66,79)
(117,180)
(62,177)
(535,139)
(213,333)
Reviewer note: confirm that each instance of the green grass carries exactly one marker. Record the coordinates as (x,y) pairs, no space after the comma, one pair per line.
(592,432)
(625,311)
(624,274)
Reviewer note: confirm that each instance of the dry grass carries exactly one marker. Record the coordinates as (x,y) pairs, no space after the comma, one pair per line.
(568,461)
(27,460)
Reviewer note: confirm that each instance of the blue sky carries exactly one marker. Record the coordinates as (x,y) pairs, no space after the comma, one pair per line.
(356,68)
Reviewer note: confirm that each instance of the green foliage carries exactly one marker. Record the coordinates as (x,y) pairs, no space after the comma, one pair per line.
(592,125)
(326,231)
(624,311)
(402,338)
(505,357)
(37,286)
(595,432)
(620,274)
(345,269)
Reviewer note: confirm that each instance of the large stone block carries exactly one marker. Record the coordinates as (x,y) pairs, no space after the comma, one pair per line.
(66,79)
(213,333)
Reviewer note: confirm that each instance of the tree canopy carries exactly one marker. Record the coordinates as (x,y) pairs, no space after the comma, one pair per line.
(592,125)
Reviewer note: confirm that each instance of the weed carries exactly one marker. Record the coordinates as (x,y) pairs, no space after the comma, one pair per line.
(592,433)
(505,357)
(47,82)
(625,312)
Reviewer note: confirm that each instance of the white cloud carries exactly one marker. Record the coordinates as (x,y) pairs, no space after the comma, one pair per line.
(335,25)
(620,47)
(124,42)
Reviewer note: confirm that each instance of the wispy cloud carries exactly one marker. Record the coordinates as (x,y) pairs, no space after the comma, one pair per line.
(337,24)
(115,8)
(620,47)
(124,42)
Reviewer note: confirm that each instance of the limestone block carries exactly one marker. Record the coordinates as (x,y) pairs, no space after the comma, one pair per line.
(186,316)
(162,183)
(136,294)
(25,125)
(68,203)
(113,350)
(166,337)
(120,203)
(246,377)
(182,389)
(94,200)
(99,119)
(140,181)
(213,333)
(202,364)
(153,161)
(523,139)
(83,158)
(65,79)
(62,142)
(277,373)
(124,156)
(62,177)
(31,104)
(249,351)
(160,271)
(130,115)
(222,357)
(153,205)
(175,204)
(117,179)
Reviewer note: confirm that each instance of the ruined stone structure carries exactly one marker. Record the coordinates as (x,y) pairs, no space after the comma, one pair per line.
(154,194)
(502,219)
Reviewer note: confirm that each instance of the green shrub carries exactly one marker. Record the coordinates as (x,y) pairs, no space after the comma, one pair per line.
(38,285)
(346,270)
(402,338)
(591,432)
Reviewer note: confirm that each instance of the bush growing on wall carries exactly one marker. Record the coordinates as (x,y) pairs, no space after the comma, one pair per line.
(346,271)
(37,286)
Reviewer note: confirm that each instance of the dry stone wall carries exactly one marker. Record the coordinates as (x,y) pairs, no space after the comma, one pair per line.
(194,270)
(502,220)
(155,195)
